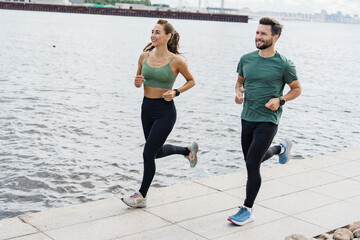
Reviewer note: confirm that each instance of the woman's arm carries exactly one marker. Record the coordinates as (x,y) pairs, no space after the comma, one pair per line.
(139,78)
(183,69)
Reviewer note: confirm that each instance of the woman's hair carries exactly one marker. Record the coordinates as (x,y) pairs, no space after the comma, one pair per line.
(173,43)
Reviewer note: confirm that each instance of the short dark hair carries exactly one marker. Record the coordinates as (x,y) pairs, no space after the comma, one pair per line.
(276,27)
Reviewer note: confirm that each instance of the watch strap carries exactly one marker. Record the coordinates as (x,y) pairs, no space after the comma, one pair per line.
(282,101)
(177,93)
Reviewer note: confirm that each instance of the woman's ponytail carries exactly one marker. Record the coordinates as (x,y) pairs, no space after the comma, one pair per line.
(173,43)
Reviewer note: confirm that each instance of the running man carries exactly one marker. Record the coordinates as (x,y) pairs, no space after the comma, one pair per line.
(262,75)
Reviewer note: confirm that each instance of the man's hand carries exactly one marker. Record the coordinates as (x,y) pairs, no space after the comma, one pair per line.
(273,104)
(239,98)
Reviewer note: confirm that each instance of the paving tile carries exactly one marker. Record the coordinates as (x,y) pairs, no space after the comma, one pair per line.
(347,170)
(175,193)
(14,227)
(109,228)
(297,202)
(216,225)
(341,190)
(269,189)
(75,214)
(276,230)
(355,200)
(310,179)
(37,236)
(332,216)
(196,207)
(172,232)
(278,170)
(320,162)
(349,155)
(356,178)
(225,182)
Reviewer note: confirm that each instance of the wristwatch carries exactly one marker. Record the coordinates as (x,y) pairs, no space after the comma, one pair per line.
(177,93)
(282,101)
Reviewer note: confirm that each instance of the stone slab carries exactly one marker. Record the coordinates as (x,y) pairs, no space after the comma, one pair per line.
(332,216)
(176,193)
(276,230)
(109,228)
(220,226)
(355,200)
(297,202)
(67,216)
(320,162)
(278,170)
(356,178)
(37,236)
(347,155)
(14,227)
(196,207)
(269,189)
(225,182)
(172,232)
(340,190)
(310,179)
(346,170)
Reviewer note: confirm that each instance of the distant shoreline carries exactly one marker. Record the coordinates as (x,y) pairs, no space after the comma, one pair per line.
(124,12)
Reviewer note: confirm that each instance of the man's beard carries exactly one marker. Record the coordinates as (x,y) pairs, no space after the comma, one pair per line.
(265,45)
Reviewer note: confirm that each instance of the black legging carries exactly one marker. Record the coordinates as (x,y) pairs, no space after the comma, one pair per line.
(158,118)
(256,138)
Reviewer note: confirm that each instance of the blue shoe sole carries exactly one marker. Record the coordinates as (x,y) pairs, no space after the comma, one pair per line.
(251,219)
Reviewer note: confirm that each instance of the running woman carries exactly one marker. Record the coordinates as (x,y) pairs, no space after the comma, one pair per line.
(158,67)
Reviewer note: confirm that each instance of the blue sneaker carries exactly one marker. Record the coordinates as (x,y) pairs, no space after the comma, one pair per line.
(285,156)
(242,217)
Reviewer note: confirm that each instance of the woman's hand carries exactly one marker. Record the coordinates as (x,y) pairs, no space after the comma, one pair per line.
(169,95)
(139,79)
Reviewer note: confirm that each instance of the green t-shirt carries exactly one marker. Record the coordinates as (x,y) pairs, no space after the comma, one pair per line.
(264,78)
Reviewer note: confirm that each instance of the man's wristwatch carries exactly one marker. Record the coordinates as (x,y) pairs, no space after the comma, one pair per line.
(282,101)
(177,93)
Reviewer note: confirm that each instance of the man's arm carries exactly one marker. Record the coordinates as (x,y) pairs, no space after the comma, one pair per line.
(239,89)
(295,91)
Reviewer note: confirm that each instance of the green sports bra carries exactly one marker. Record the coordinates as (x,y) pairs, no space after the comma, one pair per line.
(158,77)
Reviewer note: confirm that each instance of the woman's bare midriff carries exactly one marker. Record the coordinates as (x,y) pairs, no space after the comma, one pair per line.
(151,92)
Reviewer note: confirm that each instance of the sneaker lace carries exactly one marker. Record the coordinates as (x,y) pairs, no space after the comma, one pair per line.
(242,209)
(135,195)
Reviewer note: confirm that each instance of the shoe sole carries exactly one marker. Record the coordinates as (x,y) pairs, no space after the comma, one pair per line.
(134,206)
(195,159)
(251,219)
(288,152)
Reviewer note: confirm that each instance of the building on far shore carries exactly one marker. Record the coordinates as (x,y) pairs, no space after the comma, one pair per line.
(56,2)
(134,6)
(77,2)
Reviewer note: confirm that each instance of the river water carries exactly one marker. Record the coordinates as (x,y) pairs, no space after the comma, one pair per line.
(70,129)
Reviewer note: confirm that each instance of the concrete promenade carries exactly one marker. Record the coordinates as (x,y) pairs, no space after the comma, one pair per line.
(309,197)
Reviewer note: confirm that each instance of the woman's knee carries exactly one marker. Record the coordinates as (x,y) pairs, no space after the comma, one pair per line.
(253,168)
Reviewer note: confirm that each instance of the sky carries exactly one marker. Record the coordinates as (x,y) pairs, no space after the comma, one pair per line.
(294,6)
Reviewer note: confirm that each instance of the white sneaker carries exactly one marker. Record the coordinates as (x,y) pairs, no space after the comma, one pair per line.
(136,200)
